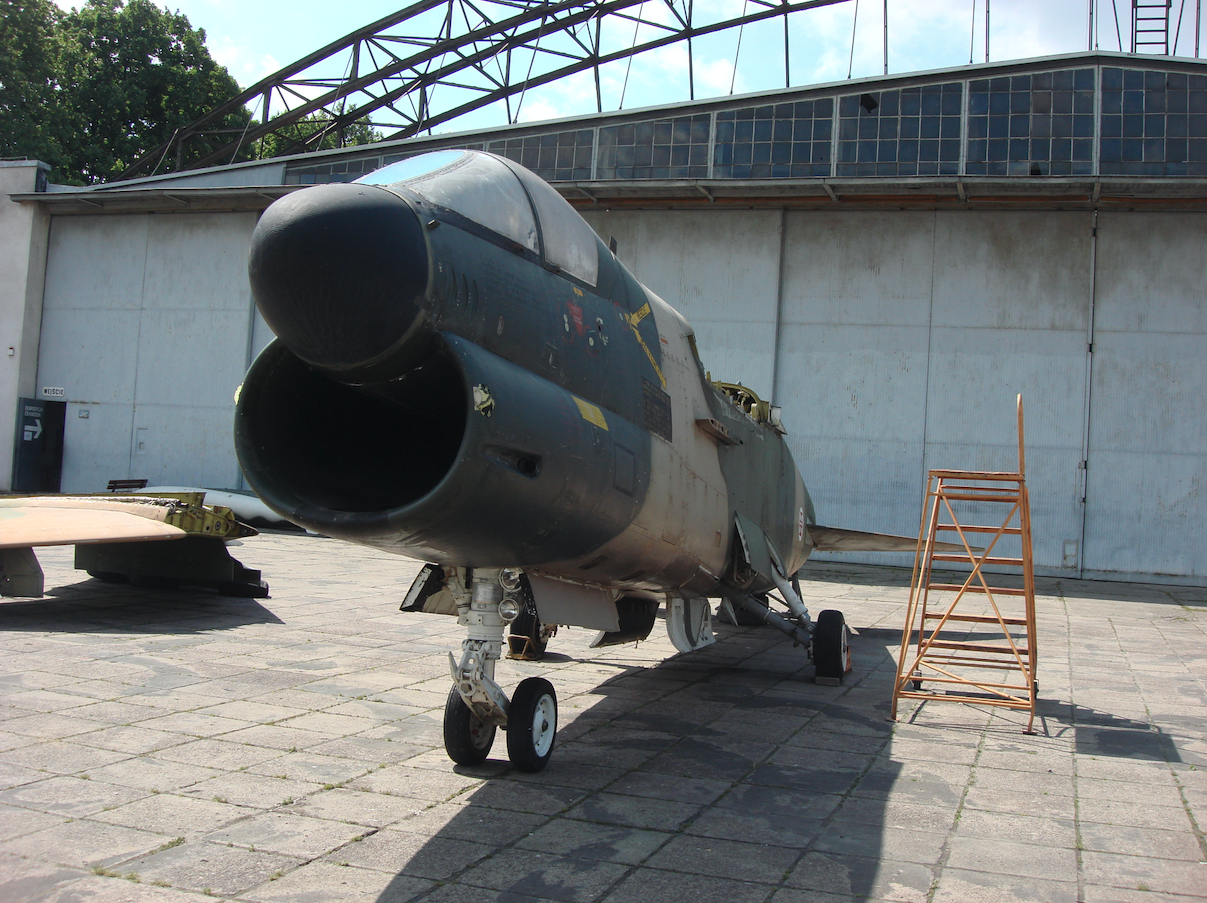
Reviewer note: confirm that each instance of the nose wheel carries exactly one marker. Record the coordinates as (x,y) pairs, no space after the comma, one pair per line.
(531,727)
(467,739)
(532,724)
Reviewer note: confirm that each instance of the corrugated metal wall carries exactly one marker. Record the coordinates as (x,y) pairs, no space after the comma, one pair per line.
(895,341)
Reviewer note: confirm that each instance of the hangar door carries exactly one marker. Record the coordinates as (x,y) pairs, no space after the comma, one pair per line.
(147,326)
(896,341)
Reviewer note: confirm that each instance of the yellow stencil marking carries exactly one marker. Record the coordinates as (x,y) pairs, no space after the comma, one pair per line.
(591,413)
(634,319)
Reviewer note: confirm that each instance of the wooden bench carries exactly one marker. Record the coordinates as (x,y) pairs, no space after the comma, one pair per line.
(125,485)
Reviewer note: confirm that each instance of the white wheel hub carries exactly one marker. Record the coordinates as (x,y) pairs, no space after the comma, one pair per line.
(544,725)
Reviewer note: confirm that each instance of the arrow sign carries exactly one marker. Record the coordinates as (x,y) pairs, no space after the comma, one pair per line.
(34,431)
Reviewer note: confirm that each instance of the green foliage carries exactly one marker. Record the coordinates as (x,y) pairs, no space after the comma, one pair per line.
(136,74)
(92,90)
(29,123)
(290,139)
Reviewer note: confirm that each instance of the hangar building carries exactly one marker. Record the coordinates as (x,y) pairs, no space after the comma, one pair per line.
(891,260)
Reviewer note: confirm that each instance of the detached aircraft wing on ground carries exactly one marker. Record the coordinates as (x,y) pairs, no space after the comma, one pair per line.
(465,374)
(121,538)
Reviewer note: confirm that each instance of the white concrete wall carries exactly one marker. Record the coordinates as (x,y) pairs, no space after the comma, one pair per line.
(904,337)
(148,325)
(853,363)
(895,341)
(23,229)
(1147,496)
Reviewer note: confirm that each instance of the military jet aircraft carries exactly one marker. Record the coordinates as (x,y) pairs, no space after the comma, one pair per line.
(465,374)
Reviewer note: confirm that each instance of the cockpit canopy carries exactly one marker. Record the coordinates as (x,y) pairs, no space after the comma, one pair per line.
(505,198)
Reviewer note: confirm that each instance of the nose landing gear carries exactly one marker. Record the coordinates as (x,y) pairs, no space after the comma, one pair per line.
(477,706)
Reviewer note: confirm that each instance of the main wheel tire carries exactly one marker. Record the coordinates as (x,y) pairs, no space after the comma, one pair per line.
(467,740)
(532,724)
(830,645)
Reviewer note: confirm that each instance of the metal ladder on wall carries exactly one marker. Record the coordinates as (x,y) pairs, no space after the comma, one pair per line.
(940,647)
(1150,26)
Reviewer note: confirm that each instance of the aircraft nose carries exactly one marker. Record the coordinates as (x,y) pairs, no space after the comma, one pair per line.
(338,272)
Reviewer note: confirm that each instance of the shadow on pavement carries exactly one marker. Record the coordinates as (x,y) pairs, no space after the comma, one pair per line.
(716,776)
(93,606)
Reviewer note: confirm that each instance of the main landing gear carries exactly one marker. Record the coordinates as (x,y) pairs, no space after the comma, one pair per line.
(487,602)
(827,638)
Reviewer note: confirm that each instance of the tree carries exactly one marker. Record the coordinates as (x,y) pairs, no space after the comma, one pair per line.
(93,90)
(134,74)
(30,112)
(291,139)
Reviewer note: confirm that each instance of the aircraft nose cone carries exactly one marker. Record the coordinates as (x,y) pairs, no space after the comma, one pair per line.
(337,272)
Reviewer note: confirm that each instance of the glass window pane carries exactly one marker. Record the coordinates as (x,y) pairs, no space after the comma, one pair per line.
(570,243)
(476,185)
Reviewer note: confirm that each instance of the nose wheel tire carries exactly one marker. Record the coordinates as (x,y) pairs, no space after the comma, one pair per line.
(467,740)
(831,652)
(532,724)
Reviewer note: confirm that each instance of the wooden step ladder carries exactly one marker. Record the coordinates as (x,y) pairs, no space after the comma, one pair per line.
(940,660)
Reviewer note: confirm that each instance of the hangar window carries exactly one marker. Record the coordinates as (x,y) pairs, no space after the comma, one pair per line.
(479,187)
(905,132)
(656,149)
(557,156)
(1032,124)
(780,141)
(1153,123)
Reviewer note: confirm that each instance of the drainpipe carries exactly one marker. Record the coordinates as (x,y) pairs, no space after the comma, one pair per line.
(1089,384)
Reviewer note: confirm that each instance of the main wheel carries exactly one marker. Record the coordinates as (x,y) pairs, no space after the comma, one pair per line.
(532,724)
(830,651)
(467,740)
(528,638)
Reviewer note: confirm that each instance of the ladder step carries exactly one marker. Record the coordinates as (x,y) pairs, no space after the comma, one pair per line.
(964,496)
(977,619)
(1007,531)
(926,679)
(977,588)
(947,556)
(976,475)
(977,647)
(1010,703)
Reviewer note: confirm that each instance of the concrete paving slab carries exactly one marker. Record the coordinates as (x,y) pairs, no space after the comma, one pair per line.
(213,869)
(545,876)
(324,882)
(269,735)
(584,840)
(88,843)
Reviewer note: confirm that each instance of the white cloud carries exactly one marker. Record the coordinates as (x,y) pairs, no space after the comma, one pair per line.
(538,109)
(246,65)
(714,78)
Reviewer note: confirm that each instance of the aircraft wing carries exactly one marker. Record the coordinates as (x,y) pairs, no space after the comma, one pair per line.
(27,522)
(835,539)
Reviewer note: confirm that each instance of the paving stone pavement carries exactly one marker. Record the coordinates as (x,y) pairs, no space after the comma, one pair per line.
(185,746)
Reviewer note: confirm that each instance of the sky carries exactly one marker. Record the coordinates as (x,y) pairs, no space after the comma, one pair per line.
(255,39)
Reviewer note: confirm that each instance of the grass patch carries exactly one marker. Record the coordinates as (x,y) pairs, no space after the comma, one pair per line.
(113,873)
